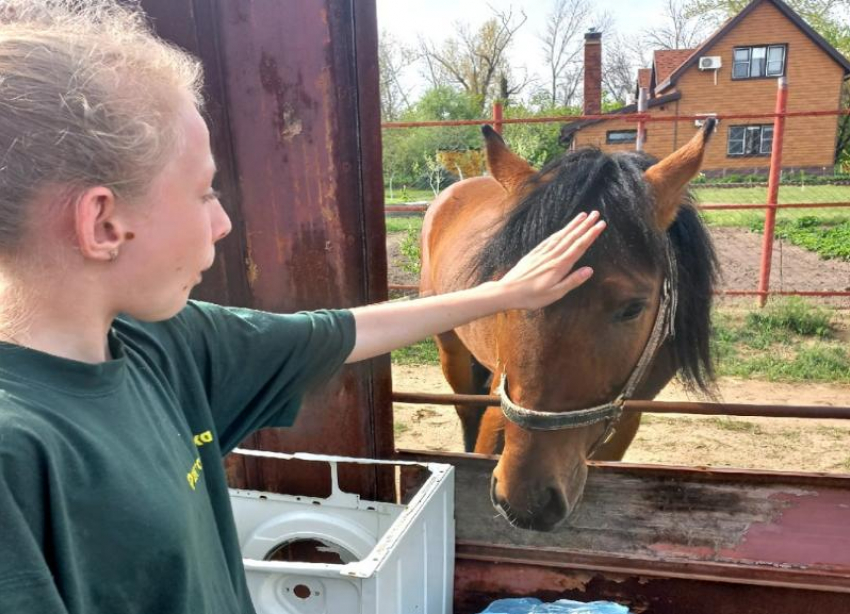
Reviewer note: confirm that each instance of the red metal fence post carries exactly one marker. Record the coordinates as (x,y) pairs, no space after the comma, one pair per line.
(773,189)
(642,104)
(497,117)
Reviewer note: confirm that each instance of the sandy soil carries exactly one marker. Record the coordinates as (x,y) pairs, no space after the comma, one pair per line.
(756,443)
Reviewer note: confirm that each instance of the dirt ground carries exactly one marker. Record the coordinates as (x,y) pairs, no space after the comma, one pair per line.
(757,443)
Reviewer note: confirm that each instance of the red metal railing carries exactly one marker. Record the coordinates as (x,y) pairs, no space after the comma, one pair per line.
(779,117)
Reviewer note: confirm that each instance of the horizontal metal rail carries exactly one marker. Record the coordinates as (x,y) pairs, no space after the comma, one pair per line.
(655,407)
(812,293)
(630,117)
(705,207)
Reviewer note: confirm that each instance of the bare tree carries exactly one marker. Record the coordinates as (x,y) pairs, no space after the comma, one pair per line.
(681,29)
(562,47)
(621,58)
(474,59)
(393,59)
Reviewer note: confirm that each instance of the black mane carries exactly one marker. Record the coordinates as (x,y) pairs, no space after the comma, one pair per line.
(613,184)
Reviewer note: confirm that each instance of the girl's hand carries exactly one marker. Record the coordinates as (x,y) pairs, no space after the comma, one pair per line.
(545,274)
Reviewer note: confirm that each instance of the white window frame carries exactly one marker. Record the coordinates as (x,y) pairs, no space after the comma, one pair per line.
(608,134)
(749,141)
(749,65)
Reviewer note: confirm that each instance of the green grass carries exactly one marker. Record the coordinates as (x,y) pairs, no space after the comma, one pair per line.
(411,251)
(813,234)
(422,353)
(408,196)
(789,341)
(788,194)
(404,223)
(791,315)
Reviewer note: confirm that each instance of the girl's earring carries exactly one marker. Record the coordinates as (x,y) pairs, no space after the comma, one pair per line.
(113,254)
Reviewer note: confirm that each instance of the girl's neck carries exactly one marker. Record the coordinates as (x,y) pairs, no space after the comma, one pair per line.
(55,317)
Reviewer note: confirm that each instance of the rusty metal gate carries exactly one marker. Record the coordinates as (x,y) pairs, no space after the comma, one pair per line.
(295,122)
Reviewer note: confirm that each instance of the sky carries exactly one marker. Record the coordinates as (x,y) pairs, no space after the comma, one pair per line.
(407,19)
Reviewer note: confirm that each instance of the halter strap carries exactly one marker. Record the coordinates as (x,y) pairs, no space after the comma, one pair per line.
(610,412)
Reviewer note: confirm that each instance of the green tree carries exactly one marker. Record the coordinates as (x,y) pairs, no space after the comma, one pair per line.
(410,154)
(538,142)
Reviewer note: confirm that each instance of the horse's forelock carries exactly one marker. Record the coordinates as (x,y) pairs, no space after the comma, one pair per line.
(587,180)
(580,181)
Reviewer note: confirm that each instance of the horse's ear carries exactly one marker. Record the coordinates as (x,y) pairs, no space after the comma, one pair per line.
(669,178)
(505,166)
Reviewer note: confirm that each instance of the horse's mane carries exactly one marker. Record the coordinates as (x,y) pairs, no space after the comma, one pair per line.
(613,184)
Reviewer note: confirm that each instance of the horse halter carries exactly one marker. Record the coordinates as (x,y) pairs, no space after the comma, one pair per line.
(610,412)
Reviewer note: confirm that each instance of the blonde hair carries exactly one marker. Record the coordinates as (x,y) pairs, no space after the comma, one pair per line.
(89,96)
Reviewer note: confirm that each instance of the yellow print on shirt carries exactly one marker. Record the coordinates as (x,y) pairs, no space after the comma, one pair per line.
(194,474)
(203,438)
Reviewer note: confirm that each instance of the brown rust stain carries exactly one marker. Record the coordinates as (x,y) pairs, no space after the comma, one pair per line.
(252,270)
(289,97)
(330,189)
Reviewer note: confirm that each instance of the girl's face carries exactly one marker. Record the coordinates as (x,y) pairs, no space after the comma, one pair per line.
(170,236)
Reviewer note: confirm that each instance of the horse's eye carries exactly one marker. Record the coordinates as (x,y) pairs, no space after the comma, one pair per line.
(630,311)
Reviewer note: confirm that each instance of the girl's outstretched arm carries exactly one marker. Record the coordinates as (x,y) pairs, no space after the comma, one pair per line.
(541,277)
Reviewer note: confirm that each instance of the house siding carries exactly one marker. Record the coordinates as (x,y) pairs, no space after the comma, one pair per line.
(814,81)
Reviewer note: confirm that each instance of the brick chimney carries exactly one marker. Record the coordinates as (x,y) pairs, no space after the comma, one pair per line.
(592,72)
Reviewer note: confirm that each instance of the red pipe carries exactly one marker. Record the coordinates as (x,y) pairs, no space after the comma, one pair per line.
(497,117)
(724,206)
(773,189)
(631,117)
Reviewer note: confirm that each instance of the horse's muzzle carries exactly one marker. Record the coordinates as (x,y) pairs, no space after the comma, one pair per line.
(549,511)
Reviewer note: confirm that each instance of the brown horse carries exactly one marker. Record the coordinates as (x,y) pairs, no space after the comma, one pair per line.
(646,307)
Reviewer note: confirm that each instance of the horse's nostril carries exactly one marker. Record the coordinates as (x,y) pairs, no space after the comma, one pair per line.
(553,509)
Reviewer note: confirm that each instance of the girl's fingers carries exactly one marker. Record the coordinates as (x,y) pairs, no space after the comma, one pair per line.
(573,281)
(556,239)
(580,230)
(573,250)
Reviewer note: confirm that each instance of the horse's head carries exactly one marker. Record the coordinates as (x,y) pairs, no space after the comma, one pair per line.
(582,351)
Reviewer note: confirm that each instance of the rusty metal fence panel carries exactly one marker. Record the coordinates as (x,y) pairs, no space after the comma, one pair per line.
(294,116)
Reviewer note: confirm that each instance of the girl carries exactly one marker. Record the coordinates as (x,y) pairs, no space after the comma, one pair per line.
(118,395)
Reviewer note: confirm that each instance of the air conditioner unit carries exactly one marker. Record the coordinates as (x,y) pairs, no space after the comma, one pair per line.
(710,62)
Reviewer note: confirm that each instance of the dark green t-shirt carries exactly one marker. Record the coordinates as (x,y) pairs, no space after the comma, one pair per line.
(113,498)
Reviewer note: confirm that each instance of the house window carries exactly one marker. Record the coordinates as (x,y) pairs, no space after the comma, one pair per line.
(755,62)
(750,140)
(621,137)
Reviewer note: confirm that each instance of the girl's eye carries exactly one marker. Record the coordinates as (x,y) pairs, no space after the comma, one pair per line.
(214,195)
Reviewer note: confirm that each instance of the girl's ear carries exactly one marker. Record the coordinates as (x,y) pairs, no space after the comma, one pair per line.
(99,231)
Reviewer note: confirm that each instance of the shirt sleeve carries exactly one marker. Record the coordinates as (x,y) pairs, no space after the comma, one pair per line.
(256,366)
(26,582)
